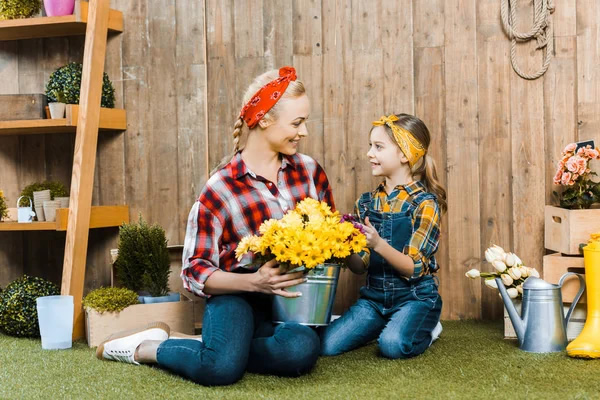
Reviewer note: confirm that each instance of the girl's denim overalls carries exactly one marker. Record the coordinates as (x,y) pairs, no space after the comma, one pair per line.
(401,313)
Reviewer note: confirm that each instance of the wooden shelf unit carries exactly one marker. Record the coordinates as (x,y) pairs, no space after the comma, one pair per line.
(111,119)
(45,27)
(85,120)
(100,217)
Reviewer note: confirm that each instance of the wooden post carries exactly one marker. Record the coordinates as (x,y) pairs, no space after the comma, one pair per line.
(84,159)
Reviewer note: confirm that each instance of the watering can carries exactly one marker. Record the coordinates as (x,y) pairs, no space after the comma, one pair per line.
(25,214)
(541,327)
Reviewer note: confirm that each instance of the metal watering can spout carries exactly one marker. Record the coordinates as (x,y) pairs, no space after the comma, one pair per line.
(515,318)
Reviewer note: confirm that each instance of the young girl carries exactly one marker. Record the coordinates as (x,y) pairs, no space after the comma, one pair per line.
(400,304)
(262,179)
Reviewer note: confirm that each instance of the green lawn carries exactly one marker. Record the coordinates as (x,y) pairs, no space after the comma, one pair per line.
(471,360)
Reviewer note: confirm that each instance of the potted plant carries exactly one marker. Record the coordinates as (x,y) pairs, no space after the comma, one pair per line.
(57,189)
(309,237)
(3,206)
(56,8)
(143,263)
(572,222)
(109,310)
(57,107)
(109,299)
(67,80)
(14,9)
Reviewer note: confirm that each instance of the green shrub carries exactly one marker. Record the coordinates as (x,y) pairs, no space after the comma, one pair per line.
(57,189)
(106,299)
(18,312)
(143,261)
(67,80)
(3,206)
(13,9)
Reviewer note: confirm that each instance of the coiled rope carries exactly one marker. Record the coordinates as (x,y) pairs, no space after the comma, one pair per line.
(541,31)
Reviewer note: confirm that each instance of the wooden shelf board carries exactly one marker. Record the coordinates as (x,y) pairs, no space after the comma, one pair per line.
(111,119)
(101,217)
(44,27)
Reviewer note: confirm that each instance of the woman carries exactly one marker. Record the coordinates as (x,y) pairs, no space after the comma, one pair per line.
(262,179)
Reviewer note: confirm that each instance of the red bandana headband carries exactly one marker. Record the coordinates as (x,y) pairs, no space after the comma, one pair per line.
(266,97)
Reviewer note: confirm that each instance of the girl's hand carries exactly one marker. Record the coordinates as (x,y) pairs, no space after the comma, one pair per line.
(270,279)
(373,238)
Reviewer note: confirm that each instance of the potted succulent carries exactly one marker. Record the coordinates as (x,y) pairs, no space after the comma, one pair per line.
(143,263)
(67,80)
(57,107)
(14,9)
(3,206)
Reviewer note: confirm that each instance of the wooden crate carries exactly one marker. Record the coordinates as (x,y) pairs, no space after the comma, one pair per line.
(176,284)
(556,265)
(574,327)
(178,315)
(565,230)
(22,106)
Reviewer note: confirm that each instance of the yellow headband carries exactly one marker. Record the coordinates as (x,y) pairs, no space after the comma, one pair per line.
(410,146)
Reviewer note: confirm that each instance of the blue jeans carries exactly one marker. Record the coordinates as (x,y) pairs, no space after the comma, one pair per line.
(238,335)
(399,314)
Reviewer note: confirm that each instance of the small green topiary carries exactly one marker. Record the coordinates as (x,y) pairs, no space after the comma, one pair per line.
(13,9)
(107,299)
(18,312)
(57,189)
(67,80)
(143,261)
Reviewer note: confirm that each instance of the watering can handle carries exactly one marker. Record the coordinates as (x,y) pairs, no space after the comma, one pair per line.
(579,293)
(19,199)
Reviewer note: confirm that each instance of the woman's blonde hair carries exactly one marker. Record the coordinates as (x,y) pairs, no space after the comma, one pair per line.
(240,129)
(424,168)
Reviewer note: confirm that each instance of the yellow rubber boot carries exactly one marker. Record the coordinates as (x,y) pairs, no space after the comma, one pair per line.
(587,344)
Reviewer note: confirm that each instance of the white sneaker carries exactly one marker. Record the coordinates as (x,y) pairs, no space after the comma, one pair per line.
(437,331)
(121,346)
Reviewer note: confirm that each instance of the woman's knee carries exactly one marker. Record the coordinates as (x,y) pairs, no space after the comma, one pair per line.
(218,369)
(303,348)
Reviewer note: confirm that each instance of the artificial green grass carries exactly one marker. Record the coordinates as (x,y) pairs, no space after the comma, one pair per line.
(471,360)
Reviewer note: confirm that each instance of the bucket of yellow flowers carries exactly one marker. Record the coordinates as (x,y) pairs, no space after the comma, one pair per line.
(312,238)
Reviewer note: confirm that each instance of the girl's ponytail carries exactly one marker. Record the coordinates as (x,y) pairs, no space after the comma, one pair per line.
(433,184)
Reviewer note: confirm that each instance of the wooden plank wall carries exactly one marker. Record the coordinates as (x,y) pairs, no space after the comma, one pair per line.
(180,69)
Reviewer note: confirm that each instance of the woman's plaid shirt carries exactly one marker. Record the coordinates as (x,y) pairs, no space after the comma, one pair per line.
(233,204)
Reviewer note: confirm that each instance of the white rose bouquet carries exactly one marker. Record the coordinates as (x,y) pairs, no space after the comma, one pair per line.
(508,267)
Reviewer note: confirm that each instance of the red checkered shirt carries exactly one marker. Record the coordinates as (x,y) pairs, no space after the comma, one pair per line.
(233,204)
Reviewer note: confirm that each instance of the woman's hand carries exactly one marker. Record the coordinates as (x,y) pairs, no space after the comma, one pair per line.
(270,279)
(373,238)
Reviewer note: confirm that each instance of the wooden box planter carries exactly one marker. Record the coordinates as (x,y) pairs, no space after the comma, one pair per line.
(556,265)
(178,315)
(574,327)
(565,229)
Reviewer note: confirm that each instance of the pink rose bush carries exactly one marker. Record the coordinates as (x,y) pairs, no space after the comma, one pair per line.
(574,175)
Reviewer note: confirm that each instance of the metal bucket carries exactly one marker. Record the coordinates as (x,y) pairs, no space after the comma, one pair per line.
(316,303)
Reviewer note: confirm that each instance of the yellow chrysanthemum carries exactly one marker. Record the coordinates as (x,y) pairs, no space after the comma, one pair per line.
(309,235)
